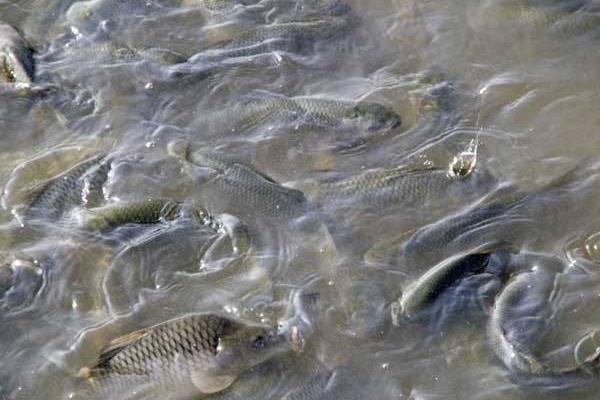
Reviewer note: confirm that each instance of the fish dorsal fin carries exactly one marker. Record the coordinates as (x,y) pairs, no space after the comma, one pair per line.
(116,345)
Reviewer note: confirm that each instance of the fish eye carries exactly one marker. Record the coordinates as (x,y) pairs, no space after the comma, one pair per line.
(355,113)
(259,342)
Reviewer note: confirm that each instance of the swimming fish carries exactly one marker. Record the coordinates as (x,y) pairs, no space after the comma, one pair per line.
(116,52)
(383,188)
(559,22)
(218,5)
(282,36)
(513,344)
(241,185)
(310,110)
(16,57)
(20,281)
(427,288)
(74,187)
(197,353)
(147,211)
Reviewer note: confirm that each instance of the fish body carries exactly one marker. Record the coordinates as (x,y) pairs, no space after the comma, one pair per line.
(16,57)
(113,51)
(315,111)
(307,31)
(512,350)
(559,22)
(218,5)
(148,211)
(293,36)
(427,288)
(512,335)
(70,189)
(241,185)
(204,353)
(20,282)
(398,187)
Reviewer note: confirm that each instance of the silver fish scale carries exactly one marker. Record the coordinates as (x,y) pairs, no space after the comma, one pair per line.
(66,190)
(248,114)
(179,343)
(292,30)
(250,189)
(256,193)
(147,212)
(325,111)
(381,188)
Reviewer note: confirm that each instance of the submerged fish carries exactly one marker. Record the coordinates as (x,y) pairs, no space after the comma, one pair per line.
(16,58)
(241,185)
(199,353)
(20,282)
(427,288)
(317,111)
(114,51)
(218,5)
(513,344)
(560,22)
(148,211)
(79,185)
(283,36)
(157,210)
(401,187)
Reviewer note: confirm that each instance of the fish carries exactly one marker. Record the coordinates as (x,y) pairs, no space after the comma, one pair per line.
(218,5)
(20,281)
(16,57)
(87,15)
(313,388)
(303,110)
(196,353)
(558,22)
(428,287)
(505,214)
(147,211)
(402,187)
(340,382)
(76,186)
(513,346)
(114,51)
(235,182)
(295,36)
(324,7)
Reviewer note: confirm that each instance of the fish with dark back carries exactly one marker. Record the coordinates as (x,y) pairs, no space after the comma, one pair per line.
(195,354)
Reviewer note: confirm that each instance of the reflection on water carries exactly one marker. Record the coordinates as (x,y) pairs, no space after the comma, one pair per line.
(307,165)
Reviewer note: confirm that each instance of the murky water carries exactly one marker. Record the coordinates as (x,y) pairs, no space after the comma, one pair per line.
(317,136)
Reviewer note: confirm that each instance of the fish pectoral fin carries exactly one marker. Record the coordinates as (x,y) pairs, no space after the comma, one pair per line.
(207,383)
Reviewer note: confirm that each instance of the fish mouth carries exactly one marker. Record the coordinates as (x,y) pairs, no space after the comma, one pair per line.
(387,125)
(396,123)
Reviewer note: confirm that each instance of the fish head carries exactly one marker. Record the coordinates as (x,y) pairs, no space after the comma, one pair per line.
(375,117)
(247,345)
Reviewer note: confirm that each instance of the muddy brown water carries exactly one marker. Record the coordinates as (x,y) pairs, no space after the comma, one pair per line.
(521,76)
